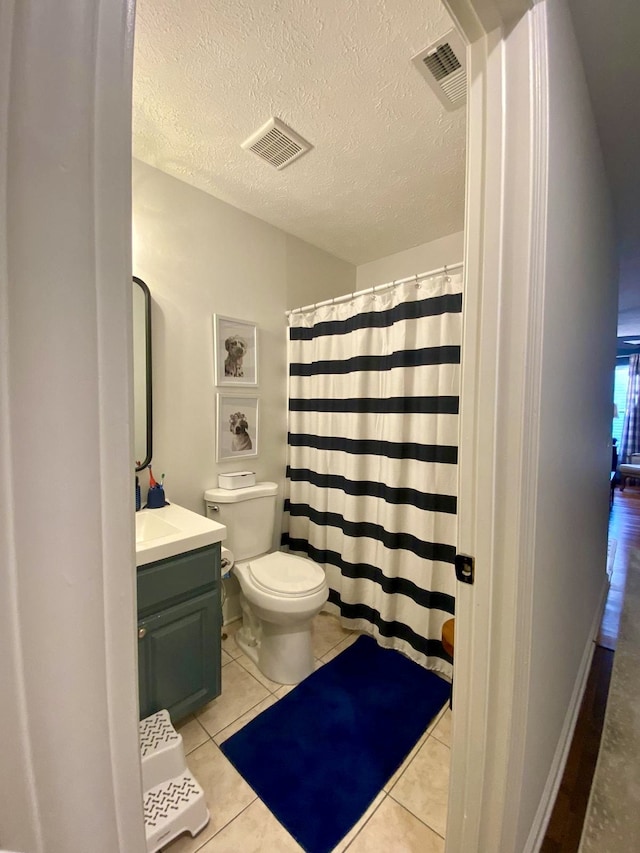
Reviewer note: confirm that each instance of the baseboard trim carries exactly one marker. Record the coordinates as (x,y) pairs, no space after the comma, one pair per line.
(548,799)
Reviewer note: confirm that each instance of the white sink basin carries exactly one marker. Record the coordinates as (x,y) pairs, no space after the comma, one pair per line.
(172,530)
(150,526)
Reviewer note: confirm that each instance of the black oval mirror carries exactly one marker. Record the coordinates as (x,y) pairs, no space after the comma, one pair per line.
(142,374)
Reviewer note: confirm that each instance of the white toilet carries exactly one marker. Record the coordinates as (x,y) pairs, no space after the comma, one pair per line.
(281,593)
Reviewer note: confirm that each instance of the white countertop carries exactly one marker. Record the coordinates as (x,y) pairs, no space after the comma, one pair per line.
(172,530)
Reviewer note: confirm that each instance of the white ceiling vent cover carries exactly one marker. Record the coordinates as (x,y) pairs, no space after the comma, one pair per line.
(277,144)
(444,66)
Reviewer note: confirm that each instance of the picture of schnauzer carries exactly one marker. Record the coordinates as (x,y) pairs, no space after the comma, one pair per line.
(236,348)
(239,426)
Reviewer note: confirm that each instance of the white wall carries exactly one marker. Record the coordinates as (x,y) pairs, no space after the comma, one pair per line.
(428,256)
(578,352)
(313,275)
(69,736)
(201,256)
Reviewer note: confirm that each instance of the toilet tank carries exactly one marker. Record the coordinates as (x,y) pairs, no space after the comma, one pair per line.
(249,516)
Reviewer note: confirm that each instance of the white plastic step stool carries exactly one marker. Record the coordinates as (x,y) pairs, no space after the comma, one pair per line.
(173,807)
(173,800)
(161,750)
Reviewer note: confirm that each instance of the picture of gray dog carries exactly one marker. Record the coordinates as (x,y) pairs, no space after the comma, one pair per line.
(239,426)
(236,347)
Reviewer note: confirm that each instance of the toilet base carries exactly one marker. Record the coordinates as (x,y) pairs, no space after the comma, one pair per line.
(284,653)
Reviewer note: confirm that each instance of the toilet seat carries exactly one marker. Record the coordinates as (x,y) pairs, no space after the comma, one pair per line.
(286,575)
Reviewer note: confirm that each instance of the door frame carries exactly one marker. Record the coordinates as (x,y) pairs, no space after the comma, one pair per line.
(505,224)
(69,711)
(504,231)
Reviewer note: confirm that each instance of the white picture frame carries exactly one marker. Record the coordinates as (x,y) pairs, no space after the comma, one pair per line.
(237,426)
(235,346)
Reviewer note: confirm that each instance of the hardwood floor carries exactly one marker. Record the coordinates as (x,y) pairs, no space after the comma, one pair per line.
(624,527)
(565,827)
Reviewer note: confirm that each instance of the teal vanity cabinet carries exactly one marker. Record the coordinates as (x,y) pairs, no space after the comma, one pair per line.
(179,647)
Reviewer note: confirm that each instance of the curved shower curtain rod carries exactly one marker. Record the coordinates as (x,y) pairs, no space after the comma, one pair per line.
(377,288)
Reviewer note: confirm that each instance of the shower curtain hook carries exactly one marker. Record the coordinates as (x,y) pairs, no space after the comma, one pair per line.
(417,282)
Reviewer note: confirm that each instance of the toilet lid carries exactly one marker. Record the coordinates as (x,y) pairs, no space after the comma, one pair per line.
(286,575)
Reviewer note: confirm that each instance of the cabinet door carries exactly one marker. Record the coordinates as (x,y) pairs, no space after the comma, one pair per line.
(180,655)
(143,673)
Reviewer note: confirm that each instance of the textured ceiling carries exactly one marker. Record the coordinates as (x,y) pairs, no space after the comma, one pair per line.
(387,169)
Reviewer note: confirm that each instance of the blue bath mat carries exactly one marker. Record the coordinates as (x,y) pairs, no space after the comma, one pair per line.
(320,755)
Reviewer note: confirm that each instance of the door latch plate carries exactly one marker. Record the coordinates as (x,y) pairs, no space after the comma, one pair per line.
(465,568)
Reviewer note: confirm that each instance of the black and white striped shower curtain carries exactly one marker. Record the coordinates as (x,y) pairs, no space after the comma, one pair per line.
(372,467)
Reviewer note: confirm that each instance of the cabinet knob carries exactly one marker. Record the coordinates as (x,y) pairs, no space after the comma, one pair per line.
(142,632)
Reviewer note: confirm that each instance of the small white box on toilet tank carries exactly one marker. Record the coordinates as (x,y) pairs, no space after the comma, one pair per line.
(236,480)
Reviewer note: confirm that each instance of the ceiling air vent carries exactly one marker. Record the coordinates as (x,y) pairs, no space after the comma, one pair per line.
(444,67)
(277,144)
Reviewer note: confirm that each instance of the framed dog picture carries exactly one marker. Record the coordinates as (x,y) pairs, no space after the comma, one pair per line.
(237,426)
(235,344)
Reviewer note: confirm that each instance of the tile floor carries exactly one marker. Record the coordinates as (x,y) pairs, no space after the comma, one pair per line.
(409,814)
